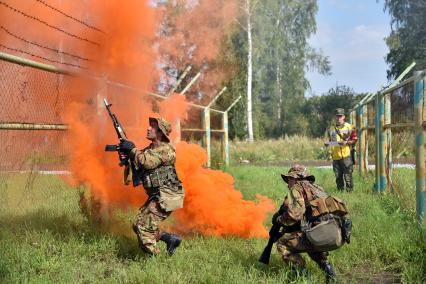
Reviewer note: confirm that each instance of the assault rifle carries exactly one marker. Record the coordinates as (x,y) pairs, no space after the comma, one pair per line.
(118,129)
(274,235)
(116,147)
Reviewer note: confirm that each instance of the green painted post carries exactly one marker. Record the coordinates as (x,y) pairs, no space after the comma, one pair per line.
(362,140)
(380,144)
(365,125)
(358,126)
(420,148)
(388,139)
(207,135)
(377,141)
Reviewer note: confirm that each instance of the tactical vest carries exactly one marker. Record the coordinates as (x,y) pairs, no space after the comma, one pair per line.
(340,152)
(152,180)
(319,203)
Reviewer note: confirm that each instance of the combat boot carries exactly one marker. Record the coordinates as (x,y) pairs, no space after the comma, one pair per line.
(329,272)
(172,241)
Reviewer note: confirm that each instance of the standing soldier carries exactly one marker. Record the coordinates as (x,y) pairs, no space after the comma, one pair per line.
(155,166)
(312,222)
(342,140)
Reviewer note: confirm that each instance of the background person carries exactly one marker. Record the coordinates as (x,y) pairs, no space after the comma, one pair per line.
(342,140)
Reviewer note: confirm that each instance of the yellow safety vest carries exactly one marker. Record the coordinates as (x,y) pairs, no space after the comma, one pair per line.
(339,152)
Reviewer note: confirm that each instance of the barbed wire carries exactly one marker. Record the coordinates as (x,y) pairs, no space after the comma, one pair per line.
(47,24)
(42,46)
(41,57)
(68,16)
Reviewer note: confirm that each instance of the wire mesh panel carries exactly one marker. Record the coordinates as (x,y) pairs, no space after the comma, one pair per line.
(402,101)
(31,96)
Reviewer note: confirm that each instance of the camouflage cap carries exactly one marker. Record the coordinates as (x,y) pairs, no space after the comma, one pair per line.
(340,111)
(163,125)
(298,172)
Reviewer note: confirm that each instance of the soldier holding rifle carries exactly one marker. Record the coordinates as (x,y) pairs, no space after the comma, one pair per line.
(154,168)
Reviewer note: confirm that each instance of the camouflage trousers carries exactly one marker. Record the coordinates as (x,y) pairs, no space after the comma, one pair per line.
(343,169)
(291,244)
(146,225)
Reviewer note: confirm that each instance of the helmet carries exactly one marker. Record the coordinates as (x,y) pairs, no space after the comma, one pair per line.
(298,172)
(163,125)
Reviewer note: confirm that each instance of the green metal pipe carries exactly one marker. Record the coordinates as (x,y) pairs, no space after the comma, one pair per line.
(31,63)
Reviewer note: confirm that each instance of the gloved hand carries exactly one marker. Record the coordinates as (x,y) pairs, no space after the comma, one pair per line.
(275,218)
(123,157)
(126,146)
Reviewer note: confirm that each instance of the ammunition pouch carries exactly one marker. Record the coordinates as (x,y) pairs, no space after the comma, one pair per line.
(328,205)
(164,184)
(160,176)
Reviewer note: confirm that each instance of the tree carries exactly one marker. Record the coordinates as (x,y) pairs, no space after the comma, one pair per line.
(320,110)
(282,55)
(407,39)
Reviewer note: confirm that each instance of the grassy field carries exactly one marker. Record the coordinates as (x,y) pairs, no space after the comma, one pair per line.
(303,148)
(44,238)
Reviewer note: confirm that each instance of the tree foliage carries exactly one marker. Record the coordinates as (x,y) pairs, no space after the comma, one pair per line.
(281,56)
(407,40)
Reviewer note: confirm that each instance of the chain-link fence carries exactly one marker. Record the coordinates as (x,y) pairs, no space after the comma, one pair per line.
(32,131)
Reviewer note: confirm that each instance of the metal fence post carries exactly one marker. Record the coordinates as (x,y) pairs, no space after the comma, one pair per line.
(207,135)
(420,147)
(382,144)
(362,141)
(380,184)
(388,140)
(225,138)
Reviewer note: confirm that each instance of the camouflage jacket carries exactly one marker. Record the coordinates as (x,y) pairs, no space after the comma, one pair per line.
(169,192)
(295,201)
(150,158)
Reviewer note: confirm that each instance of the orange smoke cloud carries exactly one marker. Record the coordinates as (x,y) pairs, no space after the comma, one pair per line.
(127,54)
(212,205)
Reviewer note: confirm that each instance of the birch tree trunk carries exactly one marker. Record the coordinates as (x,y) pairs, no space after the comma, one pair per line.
(249,75)
(280,98)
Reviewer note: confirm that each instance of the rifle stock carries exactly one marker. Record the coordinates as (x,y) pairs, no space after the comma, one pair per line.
(274,235)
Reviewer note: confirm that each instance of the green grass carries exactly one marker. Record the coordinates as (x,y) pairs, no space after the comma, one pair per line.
(288,148)
(44,238)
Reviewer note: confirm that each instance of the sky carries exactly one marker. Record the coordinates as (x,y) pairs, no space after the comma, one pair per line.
(351,33)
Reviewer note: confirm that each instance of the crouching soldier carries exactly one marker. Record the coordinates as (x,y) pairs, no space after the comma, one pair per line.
(316,219)
(155,168)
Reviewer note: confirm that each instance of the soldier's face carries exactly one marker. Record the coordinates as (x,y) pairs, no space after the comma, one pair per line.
(152,130)
(340,119)
(291,182)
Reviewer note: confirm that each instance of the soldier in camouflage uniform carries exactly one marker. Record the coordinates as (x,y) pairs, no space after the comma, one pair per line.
(294,210)
(155,166)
